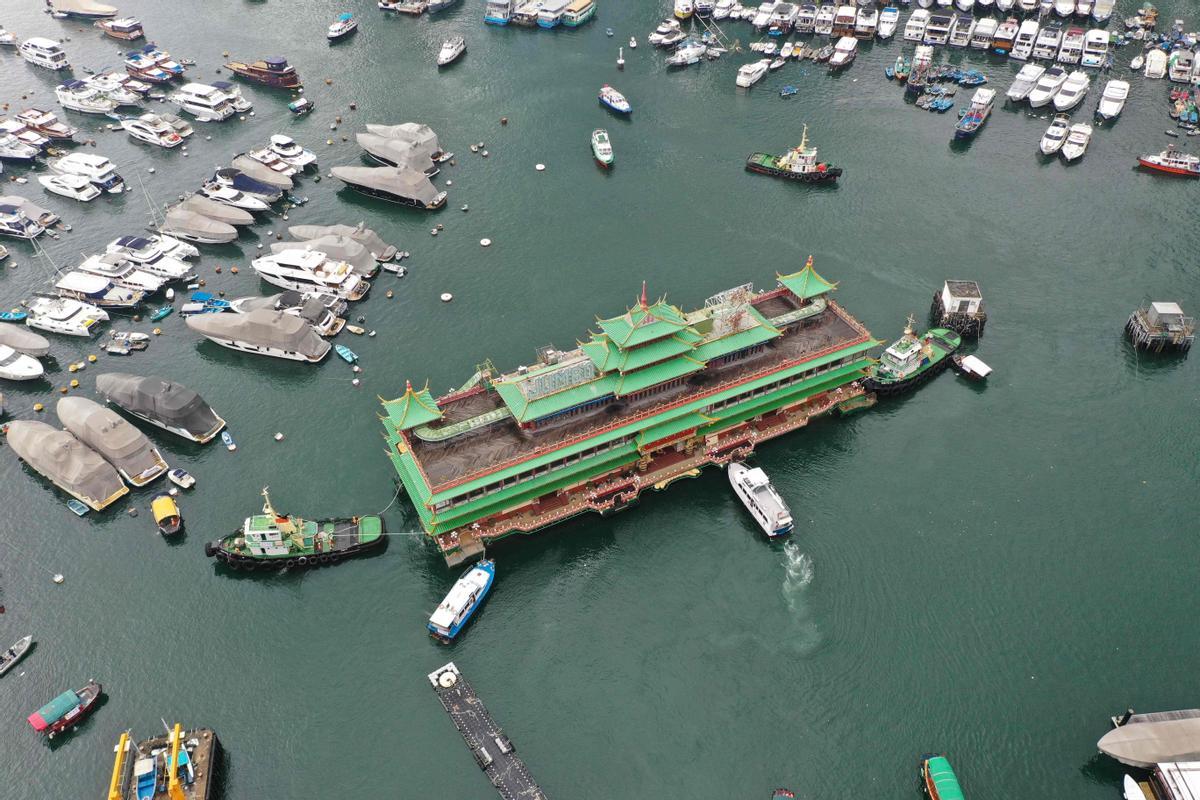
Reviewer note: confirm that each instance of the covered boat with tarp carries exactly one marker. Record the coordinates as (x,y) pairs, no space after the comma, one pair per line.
(261,172)
(217,211)
(939,780)
(319,310)
(41,216)
(397,153)
(1143,740)
(113,437)
(192,227)
(85,9)
(67,463)
(421,136)
(23,340)
(169,405)
(263,332)
(376,246)
(65,711)
(406,187)
(338,248)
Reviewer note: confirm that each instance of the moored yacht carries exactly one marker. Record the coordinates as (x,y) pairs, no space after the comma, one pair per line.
(75,187)
(97,169)
(12,127)
(96,290)
(1095,48)
(467,594)
(151,129)
(867,22)
(1055,135)
(843,53)
(191,226)
(407,187)
(823,25)
(984,33)
(1112,101)
(1073,90)
(914,28)
(889,19)
(752,73)
(961,30)
(273,71)
(452,48)
(311,271)
(13,149)
(290,152)
(121,272)
(1026,79)
(1077,141)
(937,31)
(205,103)
(65,316)
(1047,86)
(1027,35)
(44,53)
(1006,36)
(14,222)
(754,489)
(228,196)
(47,124)
(121,444)
(263,332)
(78,96)
(126,28)
(82,473)
(1048,40)
(1071,49)
(168,405)
(150,254)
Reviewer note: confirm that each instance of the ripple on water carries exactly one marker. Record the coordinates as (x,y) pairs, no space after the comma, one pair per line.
(805,636)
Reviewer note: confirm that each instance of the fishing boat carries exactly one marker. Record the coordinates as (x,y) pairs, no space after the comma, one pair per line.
(273,71)
(754,489)
(1056,134)
(798,164)
(977,114)
(166,514)
(340,28)
(911,360)
(938,778)
(10,657)
(613,100)
(467,595)
(345,353)
(451,50)
(66,711)
(181,478)
(271,540)
(971,367)
(1172,162)
(602,149)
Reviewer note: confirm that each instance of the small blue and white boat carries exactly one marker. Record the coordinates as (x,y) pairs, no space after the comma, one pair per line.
(16,315)
(145,774)
(467,595)
(346,354)
(342,27)
(613,100)
(498,12)
(227,440)
(77,508)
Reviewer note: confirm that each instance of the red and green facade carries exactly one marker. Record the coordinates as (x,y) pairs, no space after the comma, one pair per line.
(653,395)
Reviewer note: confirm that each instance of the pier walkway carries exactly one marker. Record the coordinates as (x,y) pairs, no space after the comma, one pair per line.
(488,744)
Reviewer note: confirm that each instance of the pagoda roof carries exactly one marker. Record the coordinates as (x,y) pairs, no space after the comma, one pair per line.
(525,410)
(608,356)
(412,408)
(758,333)
(806,284)
(643,323)
(655,374)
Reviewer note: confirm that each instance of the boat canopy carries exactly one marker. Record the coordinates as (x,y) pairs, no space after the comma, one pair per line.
(944,780)
(1167,736)
(66,461)
(23,340)
(413,132)
(277,63)
(261,172)
(345,16)
(12,202)
(189,223)
(163,508)
(338,248)
(264,327)
(84,283)
(53,711)
(376,246)
(396,152)
(405,183)
(159,399)
(217,211)
(88,8)
(102,429)
(74,84)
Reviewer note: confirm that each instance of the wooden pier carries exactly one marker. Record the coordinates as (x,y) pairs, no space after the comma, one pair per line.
(491,748)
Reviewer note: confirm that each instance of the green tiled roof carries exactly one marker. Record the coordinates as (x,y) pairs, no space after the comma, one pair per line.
(763,331)
(412,409)
(806,283)
(525,410)
(643,323)
(608,356)
(692,419)
(655,374)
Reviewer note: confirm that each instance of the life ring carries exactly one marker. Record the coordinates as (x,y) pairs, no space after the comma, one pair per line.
(291,562)
(323,559)
(303,561)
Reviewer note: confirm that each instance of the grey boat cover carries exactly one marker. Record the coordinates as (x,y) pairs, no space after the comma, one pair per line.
(263,327)
(23,340)
(261,172)
(339,248)
(413,132)
(87,7)
(376,246)
(28,207)
(408,183)
(112,436)
(396,151)
(1144,744)
(217,211)
(158,399)
(189,223)
(66,461)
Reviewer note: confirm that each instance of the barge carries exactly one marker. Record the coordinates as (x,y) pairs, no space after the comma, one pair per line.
(141,770)
(654,396)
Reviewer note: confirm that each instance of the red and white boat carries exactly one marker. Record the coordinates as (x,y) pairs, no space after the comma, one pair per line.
(1173,162)
(65,711)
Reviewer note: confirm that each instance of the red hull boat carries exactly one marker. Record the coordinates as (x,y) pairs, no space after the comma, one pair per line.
(66,711)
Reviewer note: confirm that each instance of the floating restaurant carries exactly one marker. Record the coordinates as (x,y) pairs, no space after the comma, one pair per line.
(655,395)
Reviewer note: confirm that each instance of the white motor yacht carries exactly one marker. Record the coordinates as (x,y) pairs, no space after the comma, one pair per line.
(96,290)
(151,129)
(1077,141)
(824,22)
(152,256)
(1071,49)
(1103,9)
(76,96)
(1073,90)
(47,124)
(14,222)
(844,53)
(268,158)
(752,73)
(1027,35)
(1056,134)
(1180,64)
(1156,64)
(65,316)
(1047,86)
(754,489)
(263,332)
(112,86)
(665,28)
(961,30)
(291,153)
(13,149)
(1048,41)
(452,48)
(75,187)
(204,102)
(1112,101)
(1026,79)
(121,273)
(914,29)
(311,271)
(985,31)
(14,127)
(1064,8)
(1095,48)
(97,169)
(229,196)
(16,366)
(889,19)
(45,53)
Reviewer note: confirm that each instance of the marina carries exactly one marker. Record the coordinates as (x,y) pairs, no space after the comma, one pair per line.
(531,255)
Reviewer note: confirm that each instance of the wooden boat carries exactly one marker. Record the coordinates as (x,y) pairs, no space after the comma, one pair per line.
(166,514)
(938,778)
(66,711)
(10,657)
(273,71)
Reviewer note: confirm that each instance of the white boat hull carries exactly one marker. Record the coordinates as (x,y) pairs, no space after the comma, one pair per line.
(273,352)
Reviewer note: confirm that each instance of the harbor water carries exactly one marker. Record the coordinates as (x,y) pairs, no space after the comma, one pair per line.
(985,571)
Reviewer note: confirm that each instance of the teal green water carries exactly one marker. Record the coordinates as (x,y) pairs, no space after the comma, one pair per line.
(986,572)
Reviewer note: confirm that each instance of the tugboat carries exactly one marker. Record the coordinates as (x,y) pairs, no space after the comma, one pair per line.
(798,164)
(911,360)
(65,711)
(938,778)
(272,71)
(754,489)
(271,540)
(467,595)
(602,148)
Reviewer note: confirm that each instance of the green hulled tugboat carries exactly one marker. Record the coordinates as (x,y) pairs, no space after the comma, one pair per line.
(911,360)
(798,164)
(271,540)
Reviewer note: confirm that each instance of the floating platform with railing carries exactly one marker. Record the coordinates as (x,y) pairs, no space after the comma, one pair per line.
(1161,326)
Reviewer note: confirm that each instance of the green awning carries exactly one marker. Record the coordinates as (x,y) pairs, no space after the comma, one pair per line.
(671,428)
(945,782)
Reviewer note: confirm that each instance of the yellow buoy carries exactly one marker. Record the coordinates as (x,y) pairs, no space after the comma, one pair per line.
(157,331)
(73,368)
(64,390)
(234,270)
(38,407)
(92,358)
(75,384)
(389,294)
(329,81)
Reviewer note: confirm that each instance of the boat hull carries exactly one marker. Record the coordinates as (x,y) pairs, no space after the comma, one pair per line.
(267,79)
(892,388)
(223,553)
(1151,165)
(830,175)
